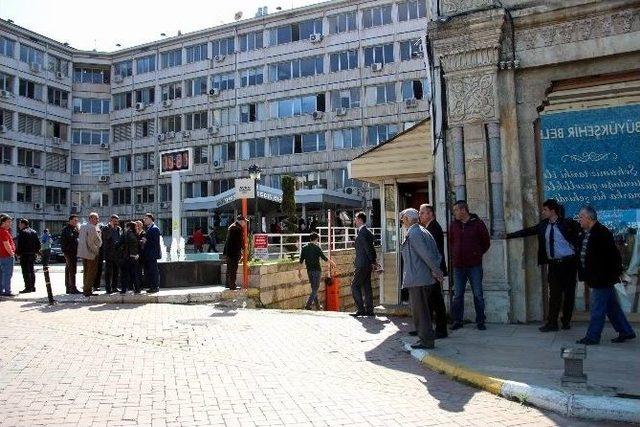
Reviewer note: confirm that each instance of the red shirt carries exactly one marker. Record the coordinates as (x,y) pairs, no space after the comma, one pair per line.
(5,236)
(198,238)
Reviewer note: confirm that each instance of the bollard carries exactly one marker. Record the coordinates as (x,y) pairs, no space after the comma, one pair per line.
(47,281)
(573,366)
(332,293)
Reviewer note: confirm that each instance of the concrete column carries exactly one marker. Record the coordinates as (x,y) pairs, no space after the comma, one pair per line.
(495,167)
(459,179)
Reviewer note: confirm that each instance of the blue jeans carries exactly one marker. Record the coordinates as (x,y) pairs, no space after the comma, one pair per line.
(603,302)
(6,271)
(314,279)
(460,277)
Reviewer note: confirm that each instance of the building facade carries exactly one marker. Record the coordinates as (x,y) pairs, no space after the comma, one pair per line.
(296,92)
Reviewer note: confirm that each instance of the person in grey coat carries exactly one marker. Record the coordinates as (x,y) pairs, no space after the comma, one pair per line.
(420,272)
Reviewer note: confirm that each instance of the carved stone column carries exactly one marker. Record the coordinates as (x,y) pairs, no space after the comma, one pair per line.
(459,180)
(495,168)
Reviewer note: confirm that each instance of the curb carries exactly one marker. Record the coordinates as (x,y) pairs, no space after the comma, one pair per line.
(602,408)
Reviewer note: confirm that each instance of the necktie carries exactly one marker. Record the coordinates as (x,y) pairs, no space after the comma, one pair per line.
(551,242)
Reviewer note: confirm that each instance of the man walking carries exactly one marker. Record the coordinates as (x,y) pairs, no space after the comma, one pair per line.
(469,240)
(557,240)
(151,253)
(110,239)
(364,263)
(420,271)
(89,242)
(233,250)
(27,248)
(436,300)
(600,267)
(212,239)
(310,255)
(69,246)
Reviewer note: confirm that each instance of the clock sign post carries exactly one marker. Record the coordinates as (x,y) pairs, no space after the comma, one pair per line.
(245,190)
(172,163)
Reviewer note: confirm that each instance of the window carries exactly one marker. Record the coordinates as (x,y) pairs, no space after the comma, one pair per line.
(341,179)
(57,65)
(414,89)
(171,124)
(197,86)
(201,155)
(121,164)
(124,68)
(90,136)
(347,138)
(29,124)
(221,185)
(221,116)
(296,68)
(291,107)
(197,120)
(382,94)
(250,41)
(223,47)
(197,189)
(145,194)
(380,133)
(55,196)
(122,132)
(171,91)
(412,9)
(121,196)
(378,54)
(7,46)
(144,161)
(6,191)
(56,162)
(90,167)
(223,81)
(57,130)
(90,106)
(146,95)
(91,75)
(31,55)
(295,144)
(6,118)
(346,98)
(250,113)
(122,100)
(165,192)
(275,181)
(6,82)
(294,32)
(29,89)
(29,158)
(376,16)
(251,149)
(5,154)
(342,22)
(145,128)
(224,152)
(410,49)
(251,77)
(313,180)
(24,193)
(58,97)
(340,61)
(197,53)
(146,64)
(172,58)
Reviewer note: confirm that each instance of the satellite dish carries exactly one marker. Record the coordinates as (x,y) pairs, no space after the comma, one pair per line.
(237,16)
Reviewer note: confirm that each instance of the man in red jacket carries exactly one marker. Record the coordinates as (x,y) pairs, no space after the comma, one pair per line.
(468,242)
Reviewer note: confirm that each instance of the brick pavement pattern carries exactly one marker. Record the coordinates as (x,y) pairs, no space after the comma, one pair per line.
(156,364)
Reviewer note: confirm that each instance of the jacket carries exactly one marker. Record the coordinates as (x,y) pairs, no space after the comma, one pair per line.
(233,244)
(365,251)
(131,245)
(28,242)
(569,229)
(89,241)
(45,242)
(110,238)
(69,240)
(151,249)
(436,231)
(468,242)
(420,258)
(603,263)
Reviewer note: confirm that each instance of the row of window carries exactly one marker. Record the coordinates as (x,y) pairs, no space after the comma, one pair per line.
(26,193)
(33,159)
(32,125)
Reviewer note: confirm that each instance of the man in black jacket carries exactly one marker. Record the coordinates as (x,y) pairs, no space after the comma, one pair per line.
(27,248)
(364,264)
(110,239)
(600,267)
(233,250)
(69,246)
(557,240)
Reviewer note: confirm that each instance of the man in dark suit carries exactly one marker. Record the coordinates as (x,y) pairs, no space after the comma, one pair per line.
(151,253)
(600,267)
(436,300)
(28,246)
(233,250)
(557,240)
(364,263)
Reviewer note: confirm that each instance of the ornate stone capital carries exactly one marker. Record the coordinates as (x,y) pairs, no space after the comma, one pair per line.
(454,7)
(471,97)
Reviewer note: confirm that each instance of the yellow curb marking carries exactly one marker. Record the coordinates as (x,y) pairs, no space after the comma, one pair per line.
(459,372)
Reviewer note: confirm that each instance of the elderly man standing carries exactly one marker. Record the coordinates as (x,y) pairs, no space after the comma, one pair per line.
(420,272)
(89,243)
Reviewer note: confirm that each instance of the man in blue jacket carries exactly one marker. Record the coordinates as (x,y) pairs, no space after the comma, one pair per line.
(151,253)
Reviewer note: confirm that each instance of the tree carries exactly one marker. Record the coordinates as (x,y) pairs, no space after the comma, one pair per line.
(289,210)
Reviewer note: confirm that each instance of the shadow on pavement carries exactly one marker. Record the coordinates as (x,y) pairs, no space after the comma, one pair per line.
(373,325)
(224,312)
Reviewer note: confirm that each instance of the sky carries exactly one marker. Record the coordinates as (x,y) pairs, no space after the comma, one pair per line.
(100,25)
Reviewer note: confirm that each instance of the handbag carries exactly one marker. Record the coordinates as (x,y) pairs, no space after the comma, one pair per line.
(622,297)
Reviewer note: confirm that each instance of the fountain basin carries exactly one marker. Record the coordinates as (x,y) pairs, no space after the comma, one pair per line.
(198,272)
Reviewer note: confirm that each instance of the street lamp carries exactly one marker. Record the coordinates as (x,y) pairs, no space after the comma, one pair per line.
(254,173)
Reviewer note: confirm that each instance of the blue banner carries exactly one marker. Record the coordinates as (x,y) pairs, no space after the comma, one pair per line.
(593,157)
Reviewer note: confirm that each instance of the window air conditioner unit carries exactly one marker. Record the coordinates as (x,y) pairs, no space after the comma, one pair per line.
(351,190)
(316,38)
(75,210)
(317,115)
(416,55)
(217,164)
(56,140)
(103,178)
(5,93)
(3,128)
(59,75)
(140,106)
(139,207)
(104,145)
(171,135)
(35,67)
(376,66)
(341,111)
(186,134)
(118,78)
(74,205)
(57,207)
(33,171)
(37,206)
(214,92)
(165,205)
(161,137)
(212,130)
(219,58)
(411,103)
(166,103)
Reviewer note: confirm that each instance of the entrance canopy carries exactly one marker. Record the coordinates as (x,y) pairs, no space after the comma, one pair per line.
(405,156)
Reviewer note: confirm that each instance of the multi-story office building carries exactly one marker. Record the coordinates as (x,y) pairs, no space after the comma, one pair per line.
(296,92)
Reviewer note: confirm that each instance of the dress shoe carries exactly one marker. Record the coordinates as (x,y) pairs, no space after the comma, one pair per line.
(413,333)
(440,335)
(8,294)
(369,314)
(92,294)
(73,292)
(357,314)
(587,341)
(622,338)
(26,291)
(123,292)
(152,291)
(482,327)
(422,346)
(548,328)
(456,325)
(566,326)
